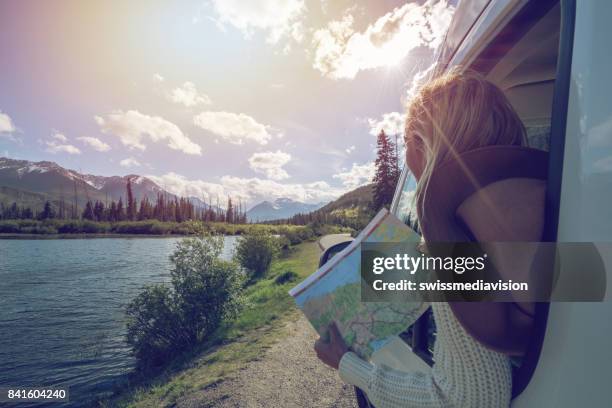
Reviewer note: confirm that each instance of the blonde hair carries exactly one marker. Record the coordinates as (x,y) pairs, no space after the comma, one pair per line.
(454,113)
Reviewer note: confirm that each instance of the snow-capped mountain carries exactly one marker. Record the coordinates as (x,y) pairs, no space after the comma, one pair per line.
(54,182)
(279,209)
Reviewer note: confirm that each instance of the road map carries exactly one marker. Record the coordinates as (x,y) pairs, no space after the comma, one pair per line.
(333,293)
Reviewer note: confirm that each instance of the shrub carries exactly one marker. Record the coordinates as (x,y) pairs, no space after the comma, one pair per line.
(165,320)
(255,252)
(283,242)
(285,277)
(152,328)
(207,288)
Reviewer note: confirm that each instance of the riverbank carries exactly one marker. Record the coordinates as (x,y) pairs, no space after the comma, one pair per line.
(58,228)
(85,236)
(237,345)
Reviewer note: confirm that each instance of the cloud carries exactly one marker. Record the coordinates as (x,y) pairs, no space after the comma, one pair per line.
(236,128)
(350,149)
(158,78)
(59,144)
(251,190)
(188,95)
(270,164)
(129,162)
(341,52)
(6,124)
(95,143)
(392,123)
(278,18)
(59,137)
(357,176)
(133,127)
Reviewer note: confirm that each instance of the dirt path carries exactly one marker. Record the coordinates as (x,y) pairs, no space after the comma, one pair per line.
(287,375)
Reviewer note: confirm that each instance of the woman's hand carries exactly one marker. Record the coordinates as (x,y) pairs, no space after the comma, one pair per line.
(331,352)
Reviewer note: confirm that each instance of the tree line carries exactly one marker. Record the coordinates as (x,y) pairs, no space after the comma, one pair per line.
(165,207)
(386,175)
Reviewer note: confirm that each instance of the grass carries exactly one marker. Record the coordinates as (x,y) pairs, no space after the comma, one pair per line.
(237,343)
(154,227)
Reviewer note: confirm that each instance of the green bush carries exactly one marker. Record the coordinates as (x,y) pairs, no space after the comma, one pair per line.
(163,320)
(255,252)
(283,242)
(285,277)
(153,331)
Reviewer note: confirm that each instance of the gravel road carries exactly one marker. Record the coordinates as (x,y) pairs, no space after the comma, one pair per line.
(287,375)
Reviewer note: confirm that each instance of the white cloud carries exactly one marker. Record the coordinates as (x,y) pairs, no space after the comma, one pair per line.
(158,78)
(279,18)
(251,190)
(133,127)
(350,149)
(271,164)
(341,52)
(129,162)
(95,143)
(357,175)
(6,124)
(59,144)
(392,123)
(236,128)
(59,137)
(188,95)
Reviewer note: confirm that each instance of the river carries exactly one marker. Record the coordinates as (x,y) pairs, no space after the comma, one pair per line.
(62,309)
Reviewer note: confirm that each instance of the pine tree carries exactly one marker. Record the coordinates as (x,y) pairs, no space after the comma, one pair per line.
(120,215)
(99,211)
(88,212)
(387,172)
(229,217)
(112,212)
(131,204)
(48,212)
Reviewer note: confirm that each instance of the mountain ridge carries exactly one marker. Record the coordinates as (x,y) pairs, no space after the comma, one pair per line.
(54,182)
(31,183)
(279,208)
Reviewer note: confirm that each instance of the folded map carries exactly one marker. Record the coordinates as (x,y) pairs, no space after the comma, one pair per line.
(333,293)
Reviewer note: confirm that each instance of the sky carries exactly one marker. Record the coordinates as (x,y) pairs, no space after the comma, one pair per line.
(256,99)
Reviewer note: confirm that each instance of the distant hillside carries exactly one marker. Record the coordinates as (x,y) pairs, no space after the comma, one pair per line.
(361,197)
(279,209)
(352,209)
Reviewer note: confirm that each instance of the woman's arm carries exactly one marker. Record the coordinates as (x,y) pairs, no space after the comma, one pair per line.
(389,388)
(382,384)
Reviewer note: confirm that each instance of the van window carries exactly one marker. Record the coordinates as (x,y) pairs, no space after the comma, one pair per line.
(405,208)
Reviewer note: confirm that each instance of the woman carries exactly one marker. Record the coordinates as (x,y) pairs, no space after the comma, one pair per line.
(455,116)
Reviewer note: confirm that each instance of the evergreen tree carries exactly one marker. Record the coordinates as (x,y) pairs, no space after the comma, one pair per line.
(88,212)
(120,215)
(112,212)
(99,211)
(26,213)
(131,204)
(386,173)
(229,217)
(48,211)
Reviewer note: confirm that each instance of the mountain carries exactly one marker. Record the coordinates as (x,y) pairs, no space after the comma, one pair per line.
(278,209)
(32,183)
(352,209)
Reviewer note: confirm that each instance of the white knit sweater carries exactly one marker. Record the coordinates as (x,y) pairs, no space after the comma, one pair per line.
(465,373)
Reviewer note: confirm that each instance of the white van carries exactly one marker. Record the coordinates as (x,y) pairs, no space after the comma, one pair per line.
(553,59)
